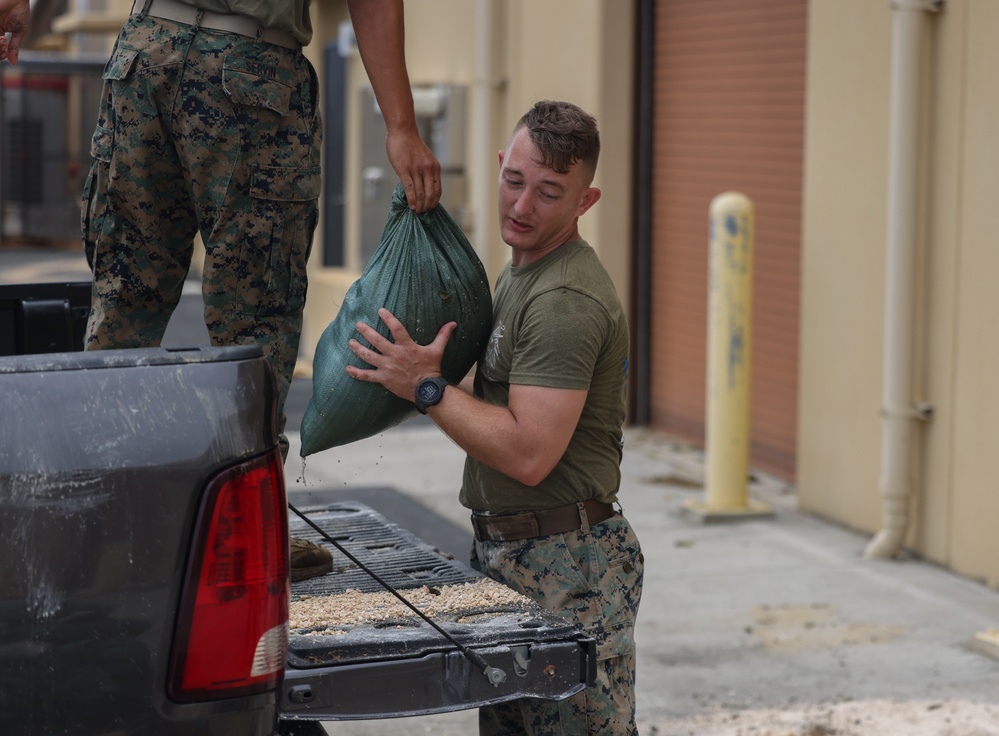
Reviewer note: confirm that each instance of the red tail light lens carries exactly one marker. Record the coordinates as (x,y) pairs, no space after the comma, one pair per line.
(232,631)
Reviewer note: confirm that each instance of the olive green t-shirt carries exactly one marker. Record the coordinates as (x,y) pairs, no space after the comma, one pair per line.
(279,15)
(558,323)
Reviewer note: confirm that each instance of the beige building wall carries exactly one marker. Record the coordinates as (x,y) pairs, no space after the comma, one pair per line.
(955,464)
(509,53)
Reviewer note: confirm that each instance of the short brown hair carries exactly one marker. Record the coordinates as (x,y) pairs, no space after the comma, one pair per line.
(563,133)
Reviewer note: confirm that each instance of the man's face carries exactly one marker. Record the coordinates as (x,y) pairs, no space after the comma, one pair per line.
(538,207)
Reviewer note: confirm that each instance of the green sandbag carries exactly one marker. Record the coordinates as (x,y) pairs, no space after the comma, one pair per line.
(427,274)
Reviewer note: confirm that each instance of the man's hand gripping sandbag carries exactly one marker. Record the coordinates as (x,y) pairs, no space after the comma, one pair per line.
(427,274)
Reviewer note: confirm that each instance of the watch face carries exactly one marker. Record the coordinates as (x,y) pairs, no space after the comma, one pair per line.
(428,391)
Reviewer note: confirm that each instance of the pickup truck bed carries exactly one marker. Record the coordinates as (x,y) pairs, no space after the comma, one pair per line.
(405,667)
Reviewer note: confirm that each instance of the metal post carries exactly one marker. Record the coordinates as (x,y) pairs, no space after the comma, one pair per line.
(730,287)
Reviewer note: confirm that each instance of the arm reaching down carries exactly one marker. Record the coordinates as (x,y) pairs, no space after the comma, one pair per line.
(379,26)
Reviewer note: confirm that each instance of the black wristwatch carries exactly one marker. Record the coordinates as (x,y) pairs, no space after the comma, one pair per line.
(428,392)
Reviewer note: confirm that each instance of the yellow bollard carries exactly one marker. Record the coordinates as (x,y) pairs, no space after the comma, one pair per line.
(987,642)
(730,298)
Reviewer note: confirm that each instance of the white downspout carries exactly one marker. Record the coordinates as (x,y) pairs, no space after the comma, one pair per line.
(899,414)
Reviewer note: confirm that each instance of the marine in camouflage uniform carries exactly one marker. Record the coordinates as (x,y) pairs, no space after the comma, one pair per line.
(542,422)
(201,130)
(558,323)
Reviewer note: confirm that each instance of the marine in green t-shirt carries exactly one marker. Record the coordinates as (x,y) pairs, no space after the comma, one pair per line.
(558,323)
(541,424)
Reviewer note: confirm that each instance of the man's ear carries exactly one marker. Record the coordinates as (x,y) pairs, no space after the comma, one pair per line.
(589,198)
(502,153)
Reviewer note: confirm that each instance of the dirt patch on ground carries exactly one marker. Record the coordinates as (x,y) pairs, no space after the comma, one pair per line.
(804,628)
(856,718)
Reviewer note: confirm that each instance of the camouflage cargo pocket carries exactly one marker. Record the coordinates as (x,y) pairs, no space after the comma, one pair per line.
(275,252)
(95,189)
(94,207)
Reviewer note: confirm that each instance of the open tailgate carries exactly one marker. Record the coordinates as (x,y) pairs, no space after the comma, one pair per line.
(376,667)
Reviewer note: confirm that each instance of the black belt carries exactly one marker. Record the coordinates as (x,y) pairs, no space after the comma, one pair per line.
(228,22)
(530,524)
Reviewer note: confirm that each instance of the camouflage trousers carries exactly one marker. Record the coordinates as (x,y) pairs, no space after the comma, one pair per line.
(211,132)
(592,577)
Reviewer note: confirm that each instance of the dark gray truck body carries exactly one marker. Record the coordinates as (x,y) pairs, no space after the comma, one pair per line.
(104,459)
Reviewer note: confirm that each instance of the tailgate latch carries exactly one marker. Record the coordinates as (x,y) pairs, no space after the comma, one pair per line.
(495,675)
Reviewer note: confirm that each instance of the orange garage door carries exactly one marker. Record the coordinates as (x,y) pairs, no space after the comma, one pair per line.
(728,114)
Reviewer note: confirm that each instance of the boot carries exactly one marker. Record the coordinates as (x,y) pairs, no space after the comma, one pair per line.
(309,560)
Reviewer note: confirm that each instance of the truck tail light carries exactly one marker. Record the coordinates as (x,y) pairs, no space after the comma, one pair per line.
(232,628)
